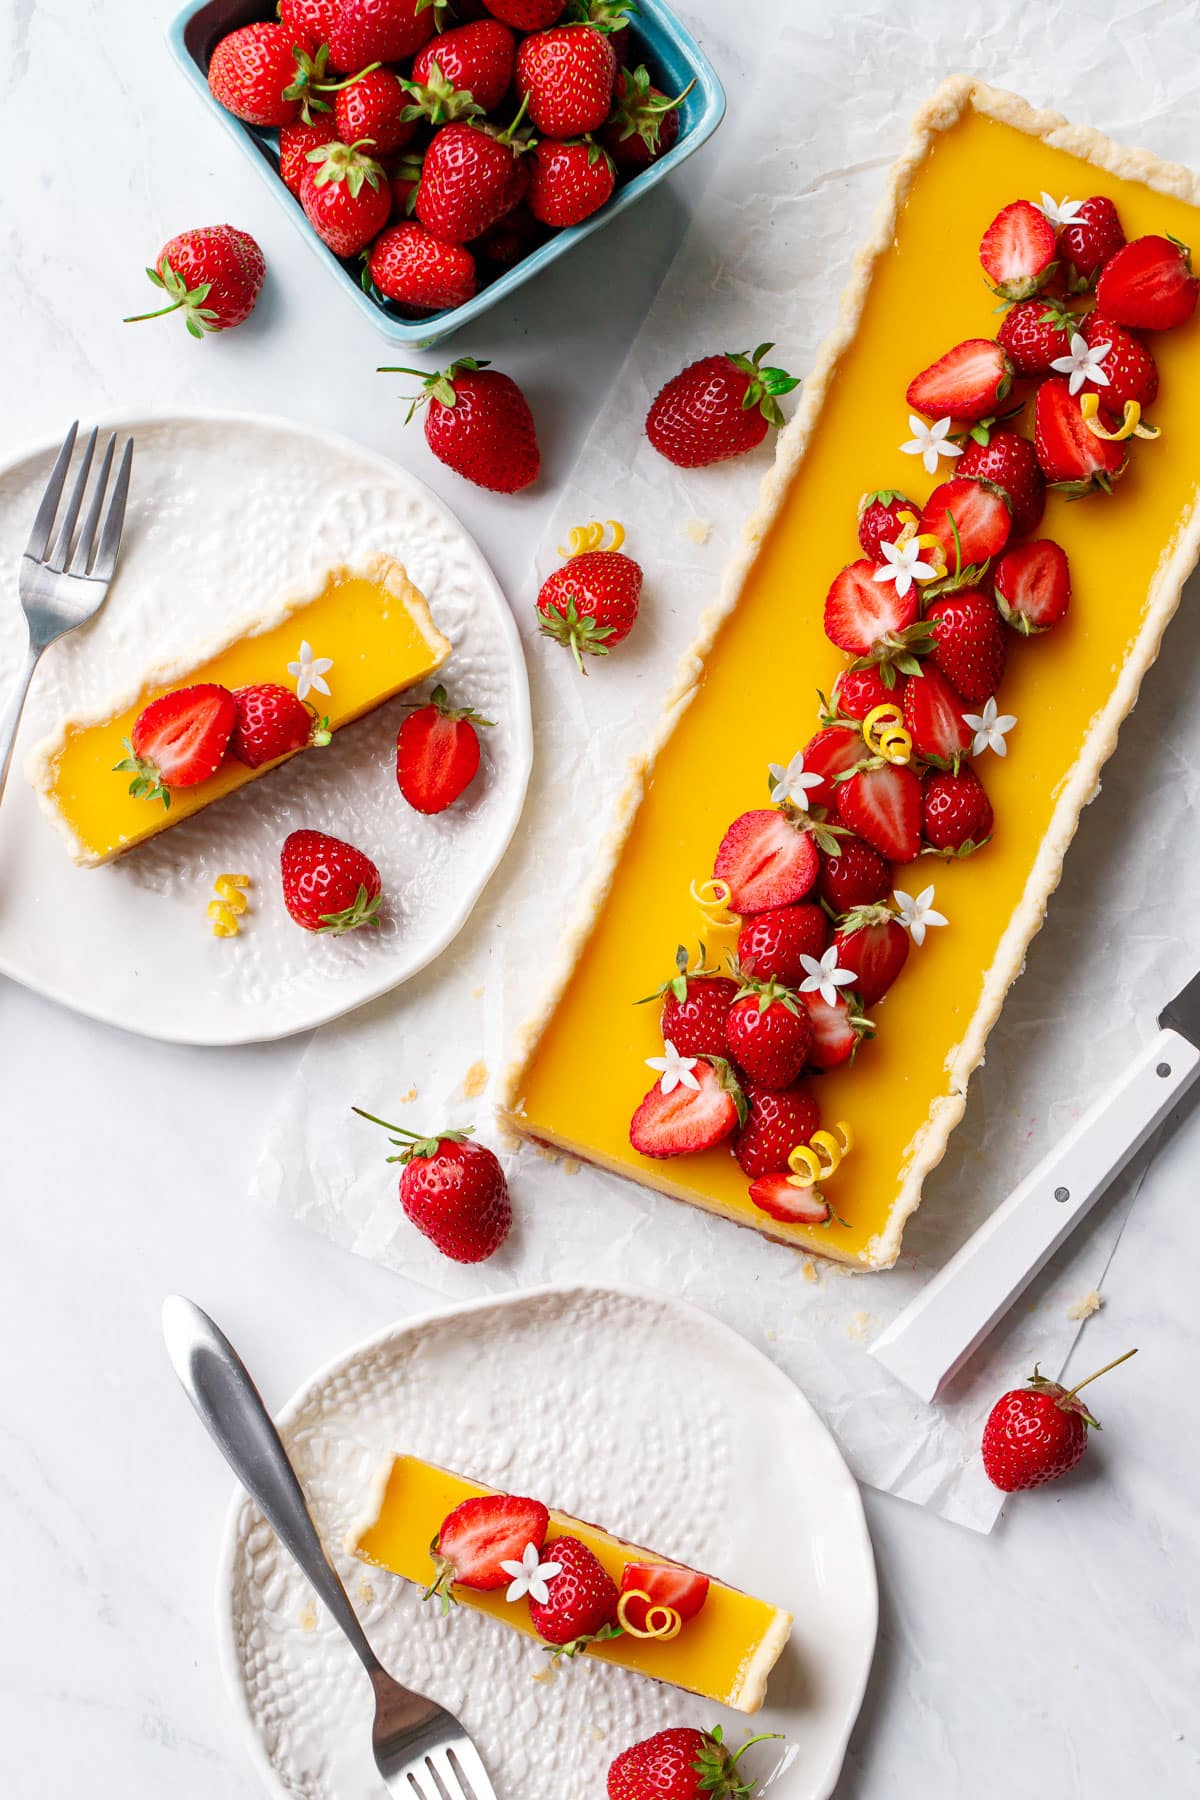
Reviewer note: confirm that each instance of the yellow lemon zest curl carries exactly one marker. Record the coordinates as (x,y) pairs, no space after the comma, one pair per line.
(229,904)
(884,734)
(713,897)
(591,537)
(1131,425)
(669,1626)
(926,540)
(821,1156)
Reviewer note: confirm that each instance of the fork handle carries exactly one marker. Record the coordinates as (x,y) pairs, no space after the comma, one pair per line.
(230,1406)
(14,707)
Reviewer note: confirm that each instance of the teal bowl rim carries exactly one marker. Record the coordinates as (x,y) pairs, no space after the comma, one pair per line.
(703,111)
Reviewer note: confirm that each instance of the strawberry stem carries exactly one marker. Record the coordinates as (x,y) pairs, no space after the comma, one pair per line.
(1095,1376)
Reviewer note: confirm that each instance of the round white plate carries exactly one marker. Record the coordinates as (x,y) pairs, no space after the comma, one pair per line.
(225,510)
(643,1413)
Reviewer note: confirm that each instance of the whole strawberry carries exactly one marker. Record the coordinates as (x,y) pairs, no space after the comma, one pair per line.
(567,76)
(272,722)
(1130,371)
(1034,333)
(780,1118)
(853,875)
(856,692)
(329,885)
(378,31)
(345,196)
(873,944)
(471,176)
(478,423)
(374,110)
(252,73)
(682,1763)
(569,182)
(308,22)
(644,123)
(527,15)
(1009,462)
(437,753)
(470,63)
(212,275)
(879,520)
(452,1189)
(1036,1433)
(694,1006)
(768,1033)
(969,643)
(415,270)
(1087,241)
(591,604)
(956,814)
(295,142)
(581,1607)
(773,944)
(718,407)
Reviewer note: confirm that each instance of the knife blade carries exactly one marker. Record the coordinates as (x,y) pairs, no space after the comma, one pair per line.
(930,1341)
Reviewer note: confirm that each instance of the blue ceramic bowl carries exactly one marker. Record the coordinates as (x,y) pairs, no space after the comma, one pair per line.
(667,47)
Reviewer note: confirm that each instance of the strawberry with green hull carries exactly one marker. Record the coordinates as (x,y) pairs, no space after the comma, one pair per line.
(969,646)
(1148,284)
(568,182)
(212,276)
(1036,1433)
(476,1540)
(717,407)
(682,1764)
(478,423)
(1033,586)
(702,1108)
(956,814)
(873,944)
(1018,251)
(566,75)
(272,722)
(873,620)
(1034,333)
(295,142)
(452,1189)
(1130,371)
(857,692)
(407,265)
(966,384)
(472,63)
(1071,457)
(470,177)
(971,519)
(374,110)
(1009,462)
(179,740)
(880,521)
(251,73)
(779,1119)
(768,1033)
(838,1030)
(328,884)
(934,715)
(345,196)
(437,753)
(590,605)
(851,875)
(644,124)
(379,31)
(881,803)
(695,1003)
(772,944)
(1088,240)
(581,1601)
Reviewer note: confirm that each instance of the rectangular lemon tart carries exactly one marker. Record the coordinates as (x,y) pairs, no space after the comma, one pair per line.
(368,634)
(723,1650)
(763,650)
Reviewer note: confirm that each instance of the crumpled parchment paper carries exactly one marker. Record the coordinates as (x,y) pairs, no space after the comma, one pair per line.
(795,183)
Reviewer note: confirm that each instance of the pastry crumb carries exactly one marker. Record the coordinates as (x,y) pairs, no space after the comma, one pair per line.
(699,530)
(1085,1306)
(570,1165)
(366,1593)
(475,1080)
(598,1735)
(477,992)
(407,1099)
(808,1270)
(546,1676)
(770,1334)
(308,1618)
(861,1325)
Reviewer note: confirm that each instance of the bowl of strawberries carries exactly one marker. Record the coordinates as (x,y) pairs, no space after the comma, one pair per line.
(439,153)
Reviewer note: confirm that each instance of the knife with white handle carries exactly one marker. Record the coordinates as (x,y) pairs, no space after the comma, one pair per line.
(932,1338)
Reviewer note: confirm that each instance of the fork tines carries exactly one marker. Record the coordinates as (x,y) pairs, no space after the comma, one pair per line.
(93,551)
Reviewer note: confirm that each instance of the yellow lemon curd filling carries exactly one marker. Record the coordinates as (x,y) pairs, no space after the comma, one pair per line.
(756,704)
(374,628)
(724,1653)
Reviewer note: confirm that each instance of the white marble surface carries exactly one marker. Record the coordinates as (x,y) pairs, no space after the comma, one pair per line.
(1057,1658)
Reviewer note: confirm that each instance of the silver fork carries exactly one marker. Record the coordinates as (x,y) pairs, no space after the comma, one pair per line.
(64,586)
(421,1750)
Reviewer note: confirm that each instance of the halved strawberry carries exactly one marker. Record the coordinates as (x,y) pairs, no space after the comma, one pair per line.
(879,520)
(833,749)
(1018,250)
(1033,585)
(873,943)
(933,715)
(768,1033)
(689,1119)
(882,803)
(478,1537)
(780,1197)
(861,612)
(971,519)
(1087,242)
(966,383)
(667,1584)
(837,1030)
(956,814)
(969,643)
(694,1005)
(180,739)
(767,860)
(856,692)
(853,875)
(1010,463)
(771,943)
(1131,370)
(1148,283)
(437,753)
(1034,333)
(779,1120)
(1072,458)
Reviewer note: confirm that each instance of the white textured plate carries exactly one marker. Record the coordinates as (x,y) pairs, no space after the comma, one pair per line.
(643,1413)
(225,510)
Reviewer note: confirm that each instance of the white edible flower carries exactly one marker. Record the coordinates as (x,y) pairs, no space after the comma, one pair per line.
(310,671)
(903,565)
(792,783)
(1083,363)
(991,728)
(824,977)
(1060,212)
(930,441)
(676,1070)
(530,1576)
(917,914)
